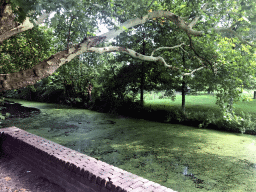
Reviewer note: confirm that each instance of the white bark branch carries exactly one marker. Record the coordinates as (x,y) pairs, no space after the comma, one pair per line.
(26,25)
(47,67)
(155,14)
(184,74)
(178,21)
(160,48)
(130,52)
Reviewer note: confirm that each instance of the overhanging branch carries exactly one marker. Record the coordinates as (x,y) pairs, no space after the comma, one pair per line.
(26,25)
(161,48)
(191,73)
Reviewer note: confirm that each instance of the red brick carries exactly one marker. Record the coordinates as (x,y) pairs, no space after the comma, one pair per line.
(137,184)
(169,190)
(126,184)
(145,185)
(139,189)
(161,188)
(124,180)
(150,189)
(156,185)
(72,169)
(144,180)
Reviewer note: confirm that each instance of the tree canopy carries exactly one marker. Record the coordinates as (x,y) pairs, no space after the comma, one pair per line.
(215,35)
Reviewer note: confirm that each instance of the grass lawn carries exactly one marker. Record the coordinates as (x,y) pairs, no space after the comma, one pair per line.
(202,103)
(202,111)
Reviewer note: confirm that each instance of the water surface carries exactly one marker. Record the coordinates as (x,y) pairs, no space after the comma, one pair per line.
(179,157)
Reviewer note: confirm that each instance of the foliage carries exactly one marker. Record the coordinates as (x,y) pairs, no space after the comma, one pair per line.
(251,82)
(201,112)
(228,61)
(26,50)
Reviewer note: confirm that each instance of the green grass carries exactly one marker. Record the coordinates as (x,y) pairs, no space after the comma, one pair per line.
(249,107)
(202,103)
(202,111)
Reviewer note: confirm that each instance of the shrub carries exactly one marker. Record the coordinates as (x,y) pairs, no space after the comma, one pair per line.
(175,116)
(247,124)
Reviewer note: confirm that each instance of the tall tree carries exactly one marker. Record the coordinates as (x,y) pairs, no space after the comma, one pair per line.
(200,20)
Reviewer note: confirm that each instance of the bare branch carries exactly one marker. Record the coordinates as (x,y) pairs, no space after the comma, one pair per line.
(130,52)
(26,25)
(155,14)
(184,74)
(160,48)
(47,67)
(180,23)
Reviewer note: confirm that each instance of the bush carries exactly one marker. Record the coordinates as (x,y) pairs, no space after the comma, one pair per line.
(175,116)
(203,119)
(247,124)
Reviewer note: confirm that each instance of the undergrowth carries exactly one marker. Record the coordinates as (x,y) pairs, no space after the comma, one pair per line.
(201,111)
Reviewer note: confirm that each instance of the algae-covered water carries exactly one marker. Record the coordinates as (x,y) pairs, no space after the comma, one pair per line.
(179,157)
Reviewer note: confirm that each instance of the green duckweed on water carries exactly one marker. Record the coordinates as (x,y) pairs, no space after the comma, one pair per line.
(179,157)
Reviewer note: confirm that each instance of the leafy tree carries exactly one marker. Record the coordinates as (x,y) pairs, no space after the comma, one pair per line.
(200,21)
(26,49)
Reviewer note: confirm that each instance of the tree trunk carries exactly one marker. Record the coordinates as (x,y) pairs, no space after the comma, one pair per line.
(142,85)
(183,93)
(142,74)
(183,89)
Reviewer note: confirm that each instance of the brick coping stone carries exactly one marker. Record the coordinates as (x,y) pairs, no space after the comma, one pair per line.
(74,171)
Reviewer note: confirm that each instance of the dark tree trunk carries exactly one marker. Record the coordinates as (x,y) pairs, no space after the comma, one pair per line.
(183,92)
(142,74)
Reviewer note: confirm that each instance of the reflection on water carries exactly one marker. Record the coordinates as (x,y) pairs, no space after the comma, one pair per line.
(179,157)
(191,176)
(185,171)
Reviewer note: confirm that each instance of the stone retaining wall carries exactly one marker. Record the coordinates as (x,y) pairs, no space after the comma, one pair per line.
(74,171)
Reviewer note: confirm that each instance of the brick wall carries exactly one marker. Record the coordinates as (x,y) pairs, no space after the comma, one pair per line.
(74,171)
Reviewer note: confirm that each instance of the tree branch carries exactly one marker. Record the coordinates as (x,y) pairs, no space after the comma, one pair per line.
(160,48)
(184,74)
(47,67)
(178,21)
(155,14)
(194,21)
(229,30)
(31,76)
(26,25)
(130,52)
(200,58)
